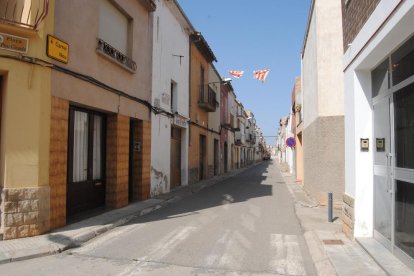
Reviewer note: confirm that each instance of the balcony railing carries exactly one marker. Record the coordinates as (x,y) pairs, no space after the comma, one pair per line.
(115,55)
(238,138)
(24,13)
(207,98)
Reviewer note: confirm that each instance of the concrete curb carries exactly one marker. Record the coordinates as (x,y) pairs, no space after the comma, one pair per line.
(320,259)
(50,244)
(323,264)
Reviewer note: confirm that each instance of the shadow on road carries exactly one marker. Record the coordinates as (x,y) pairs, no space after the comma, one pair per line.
(245,186)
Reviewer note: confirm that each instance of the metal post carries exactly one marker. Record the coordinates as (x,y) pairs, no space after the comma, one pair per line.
(330,213)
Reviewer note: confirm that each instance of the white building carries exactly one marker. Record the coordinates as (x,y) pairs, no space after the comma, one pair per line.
(170,93)
(379,125)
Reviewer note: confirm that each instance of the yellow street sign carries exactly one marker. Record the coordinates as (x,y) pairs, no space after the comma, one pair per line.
(57,49)
(13,43)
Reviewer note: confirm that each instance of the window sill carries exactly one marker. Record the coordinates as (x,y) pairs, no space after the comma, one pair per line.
(110,53)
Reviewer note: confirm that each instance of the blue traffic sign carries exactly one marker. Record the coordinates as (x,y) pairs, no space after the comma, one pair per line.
(290,142)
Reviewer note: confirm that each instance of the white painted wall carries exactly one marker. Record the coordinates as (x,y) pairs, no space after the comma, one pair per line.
(289,151)
(170,38)
(359,60)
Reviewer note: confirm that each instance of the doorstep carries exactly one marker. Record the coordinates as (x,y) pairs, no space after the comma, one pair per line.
(384,258)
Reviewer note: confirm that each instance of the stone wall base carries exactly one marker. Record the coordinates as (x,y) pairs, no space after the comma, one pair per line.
(25,212)
(348,218)
(192,176)
(1,213)
(210,171)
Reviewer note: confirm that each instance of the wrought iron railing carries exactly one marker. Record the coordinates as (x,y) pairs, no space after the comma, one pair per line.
(24,13)
(207,98)
(109,51)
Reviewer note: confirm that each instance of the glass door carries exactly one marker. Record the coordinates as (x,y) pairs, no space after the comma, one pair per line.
(404,170)
(383,179)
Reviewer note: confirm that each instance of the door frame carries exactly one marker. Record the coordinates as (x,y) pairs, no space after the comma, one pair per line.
(396,174)
(390,167)
(90,180)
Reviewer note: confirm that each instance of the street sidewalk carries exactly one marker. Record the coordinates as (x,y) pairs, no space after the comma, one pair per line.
(76,234)
(332,252)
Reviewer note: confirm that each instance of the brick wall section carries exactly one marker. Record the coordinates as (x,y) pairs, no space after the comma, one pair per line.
(348,217)
(58,161)
(324,159)
(26,212)
(144,135)
(354,15)
(117,158)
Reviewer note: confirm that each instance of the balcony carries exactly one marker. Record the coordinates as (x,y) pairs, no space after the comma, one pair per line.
(207,98)
(23,13)
(238,138)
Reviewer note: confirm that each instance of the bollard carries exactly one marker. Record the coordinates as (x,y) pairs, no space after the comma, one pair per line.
(330,214)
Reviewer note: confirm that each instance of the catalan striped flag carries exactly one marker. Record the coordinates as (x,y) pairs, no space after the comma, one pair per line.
(236,74)
(261,74)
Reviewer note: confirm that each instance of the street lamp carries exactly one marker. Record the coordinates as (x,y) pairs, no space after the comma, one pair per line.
(223,81)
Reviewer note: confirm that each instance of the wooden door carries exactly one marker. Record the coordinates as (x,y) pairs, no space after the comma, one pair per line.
(86,161)
(175,157)
(202,153)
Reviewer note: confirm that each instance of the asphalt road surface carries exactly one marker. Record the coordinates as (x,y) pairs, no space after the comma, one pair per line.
(245,225)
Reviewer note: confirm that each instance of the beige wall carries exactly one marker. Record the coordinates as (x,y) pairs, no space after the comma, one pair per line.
(322,75)
(330,53)
(197,115)
(84,59)
(25,120)
(25,130)
(299,157)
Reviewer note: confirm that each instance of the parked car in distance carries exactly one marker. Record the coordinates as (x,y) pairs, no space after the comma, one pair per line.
(266,157)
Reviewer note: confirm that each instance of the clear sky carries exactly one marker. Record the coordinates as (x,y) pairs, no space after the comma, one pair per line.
(251,35)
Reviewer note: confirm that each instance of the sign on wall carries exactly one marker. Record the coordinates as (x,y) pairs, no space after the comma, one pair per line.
(291,142)
(14,43)
(57,49)
(180,121)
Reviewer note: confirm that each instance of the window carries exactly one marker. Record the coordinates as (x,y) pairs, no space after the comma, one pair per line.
(174,100)
(80,146)
(403,62)
(114,26)
(201,75)
(380,79)
(87,141)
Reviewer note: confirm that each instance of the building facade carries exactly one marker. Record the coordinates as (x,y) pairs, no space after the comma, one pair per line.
(100,142)
(297,128)
(203,99)
(323,102)
(379,77)
(214,124)
(226,144)
(25,89)
(170,94)
(232,107)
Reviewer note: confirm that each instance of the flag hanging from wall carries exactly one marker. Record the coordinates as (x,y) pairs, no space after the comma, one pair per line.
(261,74)
(236,74)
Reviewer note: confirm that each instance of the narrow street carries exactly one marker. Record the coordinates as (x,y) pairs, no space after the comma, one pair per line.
(244,225)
